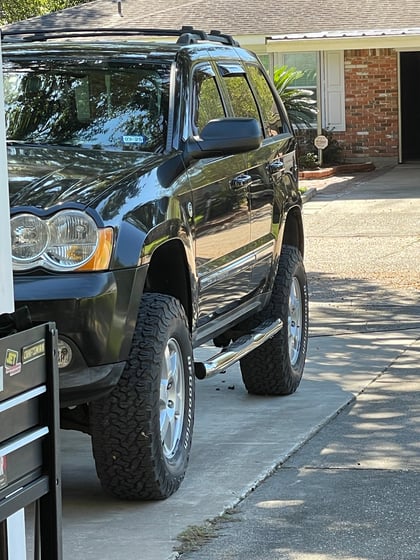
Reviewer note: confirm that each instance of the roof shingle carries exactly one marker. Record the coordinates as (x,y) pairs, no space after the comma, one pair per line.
(237,17)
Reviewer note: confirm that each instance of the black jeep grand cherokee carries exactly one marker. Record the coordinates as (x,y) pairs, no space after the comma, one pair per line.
(154,208)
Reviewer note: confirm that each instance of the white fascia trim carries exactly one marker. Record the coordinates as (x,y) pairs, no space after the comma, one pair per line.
(397,42)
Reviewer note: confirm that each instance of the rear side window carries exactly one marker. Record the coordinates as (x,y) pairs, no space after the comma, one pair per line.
(271,113)
(241,97)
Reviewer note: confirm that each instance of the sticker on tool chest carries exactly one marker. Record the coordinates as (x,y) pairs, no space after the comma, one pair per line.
(12,364)
(34,351)
(3,471)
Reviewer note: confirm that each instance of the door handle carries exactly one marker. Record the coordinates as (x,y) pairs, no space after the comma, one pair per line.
(240,182)
(276,166)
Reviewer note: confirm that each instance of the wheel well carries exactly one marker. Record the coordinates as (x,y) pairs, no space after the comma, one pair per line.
(293,230)
(168,274)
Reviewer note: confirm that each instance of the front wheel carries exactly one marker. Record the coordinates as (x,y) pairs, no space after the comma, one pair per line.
(276,367)
(142,430)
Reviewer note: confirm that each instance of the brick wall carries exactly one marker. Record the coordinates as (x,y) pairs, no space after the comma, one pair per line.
(371,100)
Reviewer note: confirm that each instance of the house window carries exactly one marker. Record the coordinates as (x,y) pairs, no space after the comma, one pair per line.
(326,69)
(306,62)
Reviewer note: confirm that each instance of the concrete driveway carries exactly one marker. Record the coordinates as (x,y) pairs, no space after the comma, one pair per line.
(363,258)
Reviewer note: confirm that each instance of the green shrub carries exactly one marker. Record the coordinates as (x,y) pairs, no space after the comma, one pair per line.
(18,10)
(331,155)
(298,102)
(308,161)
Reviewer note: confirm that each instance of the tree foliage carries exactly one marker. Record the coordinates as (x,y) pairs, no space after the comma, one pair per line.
(16,10)
(298,102)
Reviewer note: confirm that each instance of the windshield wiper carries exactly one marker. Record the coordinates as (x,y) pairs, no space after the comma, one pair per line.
(31,143)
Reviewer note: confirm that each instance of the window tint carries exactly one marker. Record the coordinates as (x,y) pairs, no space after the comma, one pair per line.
(242,99)
(207,101)
(109,108)
(271,114)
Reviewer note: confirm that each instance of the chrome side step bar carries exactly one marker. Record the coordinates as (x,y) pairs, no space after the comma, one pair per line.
(237,349)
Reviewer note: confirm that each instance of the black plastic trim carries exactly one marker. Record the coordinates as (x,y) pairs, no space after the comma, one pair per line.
(89,384)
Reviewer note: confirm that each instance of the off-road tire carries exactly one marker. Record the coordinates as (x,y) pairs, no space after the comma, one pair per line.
(276,367)
(137,455)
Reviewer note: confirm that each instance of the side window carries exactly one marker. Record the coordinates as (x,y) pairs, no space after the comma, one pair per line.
(206,99)
(271,113)
(242,99)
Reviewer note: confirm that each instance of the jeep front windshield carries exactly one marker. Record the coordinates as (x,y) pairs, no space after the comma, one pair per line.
(108,107)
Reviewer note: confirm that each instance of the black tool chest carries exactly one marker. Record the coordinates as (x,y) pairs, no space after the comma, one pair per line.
(29,431)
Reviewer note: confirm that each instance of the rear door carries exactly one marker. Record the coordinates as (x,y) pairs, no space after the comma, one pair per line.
(270,169)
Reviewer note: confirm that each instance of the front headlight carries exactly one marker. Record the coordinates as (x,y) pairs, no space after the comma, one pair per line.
(29,237)
(73,239)
(68,240)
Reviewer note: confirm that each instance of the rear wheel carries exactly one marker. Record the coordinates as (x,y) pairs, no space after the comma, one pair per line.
(142,430)
(276,367)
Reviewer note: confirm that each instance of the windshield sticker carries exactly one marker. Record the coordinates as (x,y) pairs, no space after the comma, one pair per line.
(134,139)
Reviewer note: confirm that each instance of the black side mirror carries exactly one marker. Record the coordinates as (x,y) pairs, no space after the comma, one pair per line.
(221,137)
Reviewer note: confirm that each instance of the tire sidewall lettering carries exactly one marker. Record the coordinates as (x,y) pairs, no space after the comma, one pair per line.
(190,405)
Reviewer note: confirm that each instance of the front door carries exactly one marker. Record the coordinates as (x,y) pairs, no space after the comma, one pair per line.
(221,213)
(410,106)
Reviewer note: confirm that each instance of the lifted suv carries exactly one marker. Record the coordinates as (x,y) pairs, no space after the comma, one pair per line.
(155,207)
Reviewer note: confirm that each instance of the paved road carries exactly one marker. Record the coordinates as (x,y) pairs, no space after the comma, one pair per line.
(350,493)
(362,259)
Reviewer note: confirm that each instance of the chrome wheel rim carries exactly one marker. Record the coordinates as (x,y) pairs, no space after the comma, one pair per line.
(295,321)
(172,398)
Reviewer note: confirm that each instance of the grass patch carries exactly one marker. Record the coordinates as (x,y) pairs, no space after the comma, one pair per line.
(196,536)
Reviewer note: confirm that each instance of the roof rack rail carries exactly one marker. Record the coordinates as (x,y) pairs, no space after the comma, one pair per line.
(186,35)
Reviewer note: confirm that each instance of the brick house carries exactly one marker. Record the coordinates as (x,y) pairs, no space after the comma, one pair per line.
(363,57)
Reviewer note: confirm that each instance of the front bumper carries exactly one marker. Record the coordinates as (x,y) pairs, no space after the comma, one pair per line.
(95,313)
(90,383)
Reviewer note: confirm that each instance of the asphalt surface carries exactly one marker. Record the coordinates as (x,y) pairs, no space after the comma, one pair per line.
(328,473)
(350,493)
(352,490)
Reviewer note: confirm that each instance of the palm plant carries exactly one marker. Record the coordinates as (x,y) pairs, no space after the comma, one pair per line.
(298,102)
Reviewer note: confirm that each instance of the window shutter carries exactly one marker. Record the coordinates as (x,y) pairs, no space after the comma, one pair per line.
(333,115)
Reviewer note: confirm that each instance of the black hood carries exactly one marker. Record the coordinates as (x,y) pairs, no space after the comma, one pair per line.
(45,177)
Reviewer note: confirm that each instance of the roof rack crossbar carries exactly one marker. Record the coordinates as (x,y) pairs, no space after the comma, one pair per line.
(186,34)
